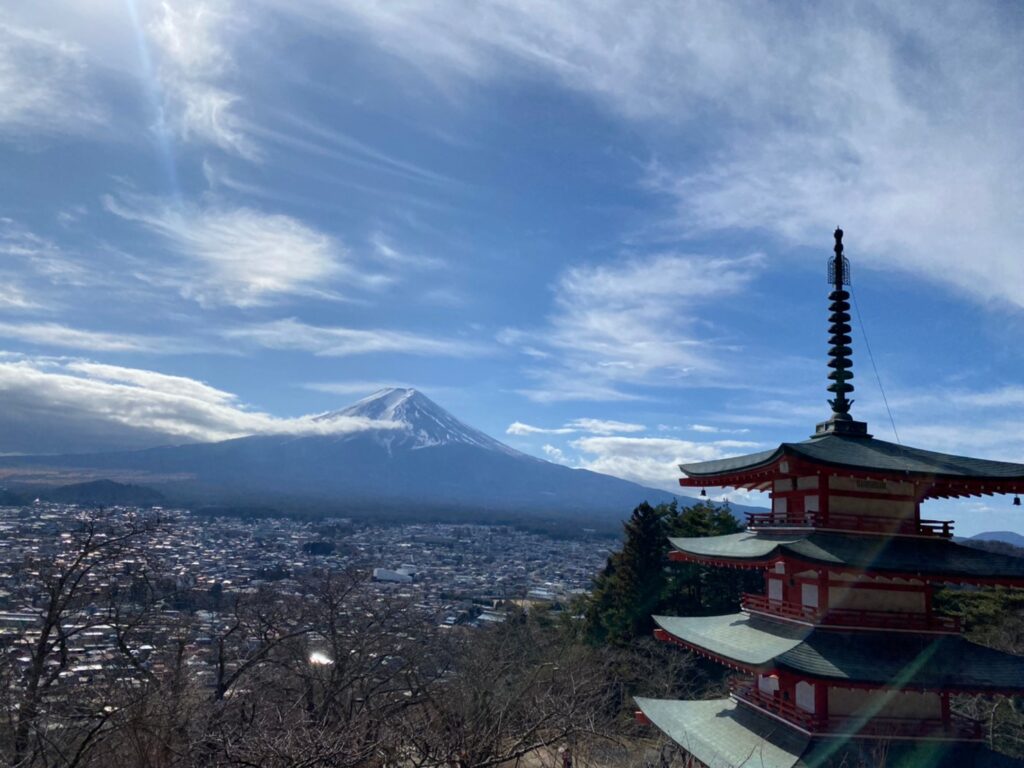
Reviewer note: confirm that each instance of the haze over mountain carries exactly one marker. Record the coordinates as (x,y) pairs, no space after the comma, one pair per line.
(421,455)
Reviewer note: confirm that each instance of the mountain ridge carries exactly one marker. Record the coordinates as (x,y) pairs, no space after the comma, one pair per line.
(431,459)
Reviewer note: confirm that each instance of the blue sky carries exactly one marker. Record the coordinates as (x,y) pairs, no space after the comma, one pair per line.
(597,231)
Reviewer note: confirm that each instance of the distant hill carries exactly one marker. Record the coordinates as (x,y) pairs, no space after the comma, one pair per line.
(1007,537)
(104,493)
(432,461)
(1000,542)
(9,498)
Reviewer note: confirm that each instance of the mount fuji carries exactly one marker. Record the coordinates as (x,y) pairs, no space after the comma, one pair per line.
(414,454)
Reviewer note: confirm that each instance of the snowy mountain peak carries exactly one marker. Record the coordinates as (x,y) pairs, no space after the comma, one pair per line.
(426,423)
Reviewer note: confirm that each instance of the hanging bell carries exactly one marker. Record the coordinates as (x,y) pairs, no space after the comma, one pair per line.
(1016,501)
(705,493)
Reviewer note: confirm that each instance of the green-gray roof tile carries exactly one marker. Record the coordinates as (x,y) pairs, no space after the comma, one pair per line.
(920,661)
(898,554)
(722,734)
(890,658)
(747,639)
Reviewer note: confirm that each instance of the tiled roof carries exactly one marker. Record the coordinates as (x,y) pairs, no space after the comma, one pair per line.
(904,659)
(898,554)
(722,734)
(865,453)
(747,639)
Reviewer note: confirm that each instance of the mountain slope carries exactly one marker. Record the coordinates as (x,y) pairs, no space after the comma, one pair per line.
(1007,537)
(433,459)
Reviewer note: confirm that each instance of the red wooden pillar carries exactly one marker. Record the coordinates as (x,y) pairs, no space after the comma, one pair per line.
(823,505)
(821,705)
(822,592)
(947,718)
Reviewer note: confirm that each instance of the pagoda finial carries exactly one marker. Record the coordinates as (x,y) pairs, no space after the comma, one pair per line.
(839,350)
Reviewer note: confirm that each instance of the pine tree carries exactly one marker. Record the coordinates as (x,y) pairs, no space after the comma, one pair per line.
(637,583)
(694,590)
(629,589)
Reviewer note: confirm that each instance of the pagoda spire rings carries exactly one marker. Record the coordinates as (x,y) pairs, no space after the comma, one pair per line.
(840,362)
(840,351)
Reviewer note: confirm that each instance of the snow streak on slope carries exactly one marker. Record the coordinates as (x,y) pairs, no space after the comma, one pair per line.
(426,423)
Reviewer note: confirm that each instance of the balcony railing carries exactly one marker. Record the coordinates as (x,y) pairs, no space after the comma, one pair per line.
(846,522)
(746,692)
(844,617)
(958,728)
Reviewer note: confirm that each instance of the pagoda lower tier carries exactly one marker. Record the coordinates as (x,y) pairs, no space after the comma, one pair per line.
(843,648)
(814,676)
(723,733)
(808,691)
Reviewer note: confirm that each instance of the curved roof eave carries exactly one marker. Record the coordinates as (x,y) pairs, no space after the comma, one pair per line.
(866,455)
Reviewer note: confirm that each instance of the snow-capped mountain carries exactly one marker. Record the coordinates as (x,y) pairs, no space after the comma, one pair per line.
(420,457)
(426,423)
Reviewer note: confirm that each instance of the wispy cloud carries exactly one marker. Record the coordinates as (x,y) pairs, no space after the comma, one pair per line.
(386,251)
(43,86)
(632,323)
(65,337)
(193,63)
(240,256)
(53,405)
(13,297)
(651,461)
(41,255)
(520,429)
(591,426)
(708,429)
(900,123)
(335,341)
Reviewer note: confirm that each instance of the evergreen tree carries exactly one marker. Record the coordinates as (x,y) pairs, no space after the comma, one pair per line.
(696,590)
(629,589)
(637,581)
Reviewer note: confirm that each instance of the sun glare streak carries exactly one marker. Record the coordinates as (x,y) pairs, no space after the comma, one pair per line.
(154,95)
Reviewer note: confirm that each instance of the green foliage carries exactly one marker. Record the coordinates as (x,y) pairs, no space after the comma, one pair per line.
(993,617)
(637,582)
(629,588)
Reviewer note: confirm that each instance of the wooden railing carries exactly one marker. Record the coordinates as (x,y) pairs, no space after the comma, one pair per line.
(844,617)
(958,728)
(846,522)
(745,691)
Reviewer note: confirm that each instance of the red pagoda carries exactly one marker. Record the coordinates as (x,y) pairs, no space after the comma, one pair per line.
(842,660)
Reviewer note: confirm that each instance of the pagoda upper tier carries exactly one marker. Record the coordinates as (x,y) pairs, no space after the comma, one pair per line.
(933,475)
(855,484)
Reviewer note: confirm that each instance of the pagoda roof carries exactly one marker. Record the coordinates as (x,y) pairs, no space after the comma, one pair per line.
(866,454)
(925,557)
(724,734)
(903,659)
(748,640)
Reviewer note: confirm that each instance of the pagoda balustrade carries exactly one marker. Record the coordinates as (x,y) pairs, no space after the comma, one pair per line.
(845,617)
(843,522)
(957,727)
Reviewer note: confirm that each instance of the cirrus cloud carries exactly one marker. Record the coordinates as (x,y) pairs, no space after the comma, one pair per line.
(237,255)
